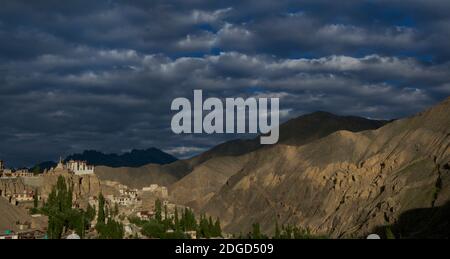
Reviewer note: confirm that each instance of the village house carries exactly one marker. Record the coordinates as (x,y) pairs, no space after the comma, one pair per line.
(145,215)
(122,200)
(9,235)
(33,234)
(25,196)
(22,173)
(129,193)
(8,173)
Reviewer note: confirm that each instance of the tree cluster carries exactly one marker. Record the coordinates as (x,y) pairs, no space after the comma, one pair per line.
(107,226)
(176,226)
(62,217)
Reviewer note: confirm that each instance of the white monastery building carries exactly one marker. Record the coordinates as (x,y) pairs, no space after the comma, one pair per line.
(80,167)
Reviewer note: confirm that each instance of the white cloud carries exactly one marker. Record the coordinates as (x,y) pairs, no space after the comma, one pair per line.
(200,16)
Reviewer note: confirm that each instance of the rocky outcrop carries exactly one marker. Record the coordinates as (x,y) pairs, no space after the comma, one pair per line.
(84,186)
(10,186)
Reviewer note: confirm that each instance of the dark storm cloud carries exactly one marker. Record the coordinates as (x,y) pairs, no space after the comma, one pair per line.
(78,75)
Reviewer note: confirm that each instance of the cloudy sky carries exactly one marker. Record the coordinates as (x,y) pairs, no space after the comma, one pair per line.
(78,75)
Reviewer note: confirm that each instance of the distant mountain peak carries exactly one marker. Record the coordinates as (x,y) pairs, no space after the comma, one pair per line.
(296,131)
(133,158)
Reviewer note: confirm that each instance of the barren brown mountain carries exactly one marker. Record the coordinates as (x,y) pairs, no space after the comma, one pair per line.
(294,132)
(336,176)
(139,177)
(345,184)
(213,168)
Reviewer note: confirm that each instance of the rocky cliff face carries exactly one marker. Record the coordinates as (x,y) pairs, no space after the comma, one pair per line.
(11,186)
(345,184)
(84,186)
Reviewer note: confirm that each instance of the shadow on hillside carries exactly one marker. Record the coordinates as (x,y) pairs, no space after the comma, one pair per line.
(429,223)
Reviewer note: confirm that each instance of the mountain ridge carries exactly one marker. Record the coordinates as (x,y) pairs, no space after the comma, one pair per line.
(202,183)
(343,185)
(226,151)
(135,158)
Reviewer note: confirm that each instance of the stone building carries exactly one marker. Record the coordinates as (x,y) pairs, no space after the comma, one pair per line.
(132,193)
(25,196)
(73,167)
(8,173)
(22,173)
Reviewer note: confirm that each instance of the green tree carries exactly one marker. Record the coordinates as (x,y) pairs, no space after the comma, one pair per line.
(158,210)
(389,233)
(153,229)
(107,227)
(190,221)
(277,231)
(166,214)
(101,209)
(256,231)
(36,199)
(61,216)
(176,220)
(111,230)
(90,213)
(217,228)
(116,209)
(211,226)
(69,197)
(203,227)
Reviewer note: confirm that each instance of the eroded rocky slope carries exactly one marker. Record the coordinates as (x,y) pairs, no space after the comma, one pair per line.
(211,170)
(345,184)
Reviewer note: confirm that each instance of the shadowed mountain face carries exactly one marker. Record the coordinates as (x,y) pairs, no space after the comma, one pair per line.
(298,131)
(212,169)
(429,223)
(342,185)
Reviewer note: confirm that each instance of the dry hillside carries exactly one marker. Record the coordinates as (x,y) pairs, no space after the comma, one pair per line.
(345,184)
(212,169)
